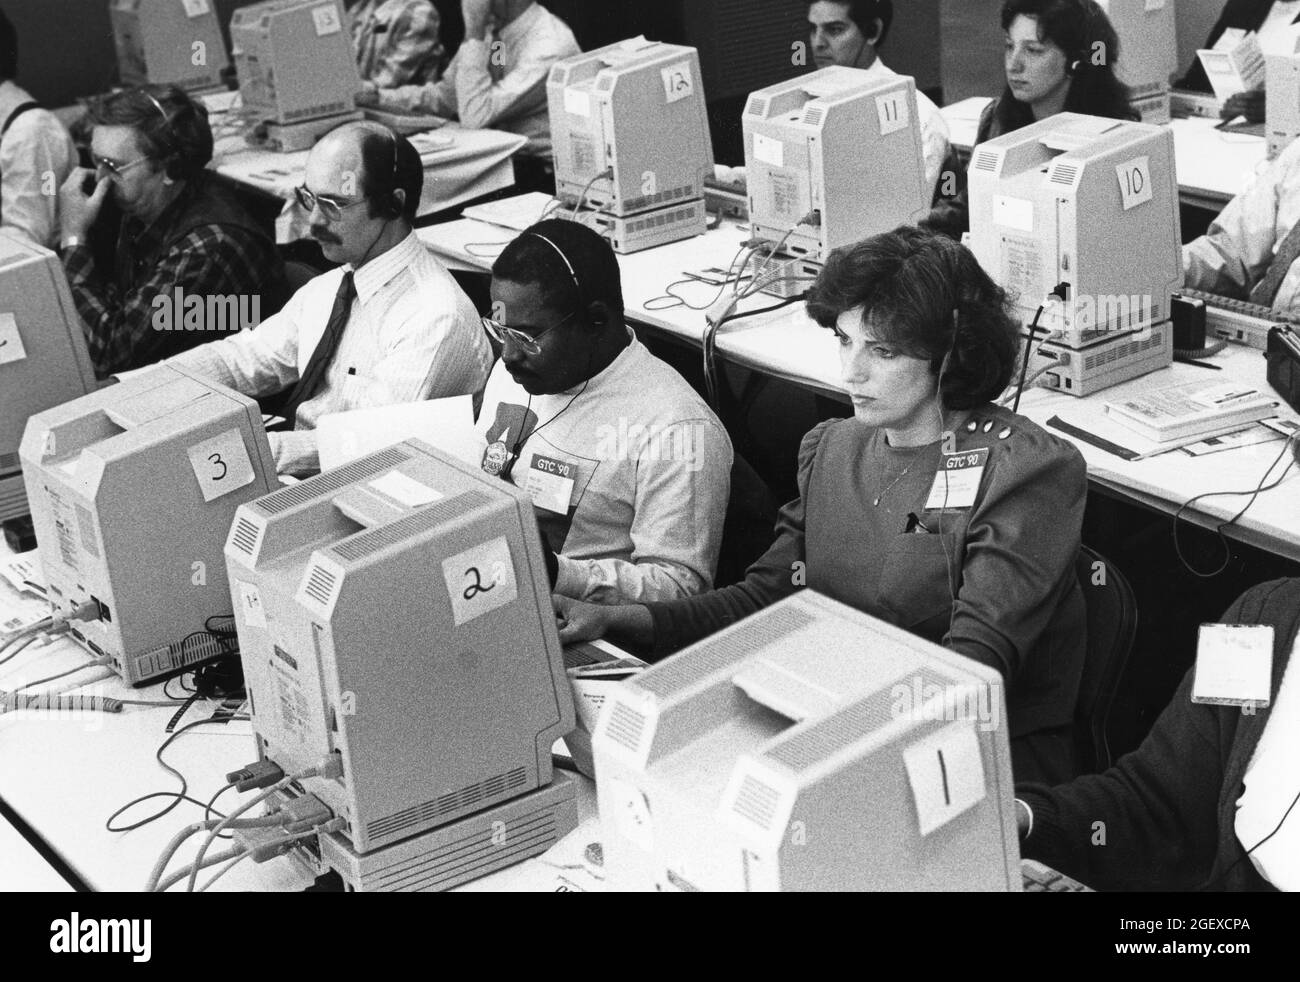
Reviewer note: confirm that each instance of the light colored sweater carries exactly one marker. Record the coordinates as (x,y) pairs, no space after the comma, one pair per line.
(650,466)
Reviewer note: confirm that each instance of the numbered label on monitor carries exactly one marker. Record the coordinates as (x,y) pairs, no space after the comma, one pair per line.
(480,580)
(11,342)
(894,112)
(221,465)
(195,8)
(1135,181)
(577,102)
(679,83)
(946,774)
(250,605)
(326,17)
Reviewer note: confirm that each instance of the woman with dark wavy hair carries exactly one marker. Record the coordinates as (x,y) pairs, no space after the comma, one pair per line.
(1059,56)
(982,563)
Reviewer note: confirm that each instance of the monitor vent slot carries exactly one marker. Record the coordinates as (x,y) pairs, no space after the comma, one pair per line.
(985,160)
(320,585)
(246,535)
(813,115)
(756,106)
(710,655)
(1152,339)
(448,509)
(467,798)
(1065,174)
(829,737)
(8,462)
(328,483)
(626,726)
(756,802)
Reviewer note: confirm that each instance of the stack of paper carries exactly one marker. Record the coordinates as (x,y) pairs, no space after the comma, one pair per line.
(1193,409)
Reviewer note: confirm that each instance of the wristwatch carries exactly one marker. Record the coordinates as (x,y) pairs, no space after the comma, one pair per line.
(70,242)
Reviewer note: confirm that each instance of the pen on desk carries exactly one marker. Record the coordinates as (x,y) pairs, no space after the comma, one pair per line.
(1198,364)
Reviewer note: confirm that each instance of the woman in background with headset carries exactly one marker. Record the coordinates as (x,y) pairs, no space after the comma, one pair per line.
(933,508)
(1059,56)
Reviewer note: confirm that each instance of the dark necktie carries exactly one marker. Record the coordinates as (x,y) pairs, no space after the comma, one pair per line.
(1265,291)
(313,375)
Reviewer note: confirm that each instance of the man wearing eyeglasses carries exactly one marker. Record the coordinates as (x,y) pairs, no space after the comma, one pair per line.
(389,326)
(628,468)
(181,229)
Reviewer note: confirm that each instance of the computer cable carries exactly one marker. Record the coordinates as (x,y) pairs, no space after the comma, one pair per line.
(1058,292)
(710,340)
(172,879)
(730,278)
(275,847)
(1213,884)
(330,766)
(607,173)
(93,663)
(1259,489)
(28,640)
(177,797)
(176,841)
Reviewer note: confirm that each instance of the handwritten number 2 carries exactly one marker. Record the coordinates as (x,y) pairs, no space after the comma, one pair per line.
(476,587)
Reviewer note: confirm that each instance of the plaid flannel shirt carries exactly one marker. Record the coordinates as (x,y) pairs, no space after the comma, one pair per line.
(119,322)
(396,41)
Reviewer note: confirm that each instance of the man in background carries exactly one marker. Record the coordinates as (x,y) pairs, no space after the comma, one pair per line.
(497,79)
(396,41)
(183,227)
(849,34)
(36,153)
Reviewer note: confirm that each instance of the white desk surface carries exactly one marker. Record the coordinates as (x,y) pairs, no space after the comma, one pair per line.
(789,345)
(65,774)
(1213,167)
(23,869)
(477,163)
(1166,481)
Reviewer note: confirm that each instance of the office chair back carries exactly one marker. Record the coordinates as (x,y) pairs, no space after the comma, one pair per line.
(1112,626)
(749,527)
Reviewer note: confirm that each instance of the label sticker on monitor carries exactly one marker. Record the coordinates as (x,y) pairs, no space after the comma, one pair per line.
(221,464)
(1134,181)
(1016,213)
(1153,5)
(11,342)
(326,17)
(946,774)
(632,814)
(401,488)
(195,8)
(480,580)
(769,150)
(894,112)
(250,605)
(577,102)
(679,83)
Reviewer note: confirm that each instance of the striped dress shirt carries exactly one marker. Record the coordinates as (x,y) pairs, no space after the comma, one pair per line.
(413,334)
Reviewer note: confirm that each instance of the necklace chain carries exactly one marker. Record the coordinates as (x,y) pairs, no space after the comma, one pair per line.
(876,502)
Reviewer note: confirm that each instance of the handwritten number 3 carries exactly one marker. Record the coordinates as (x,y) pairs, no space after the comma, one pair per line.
(216,459)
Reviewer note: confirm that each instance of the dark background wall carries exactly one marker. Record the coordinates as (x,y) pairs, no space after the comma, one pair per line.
(66,46)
